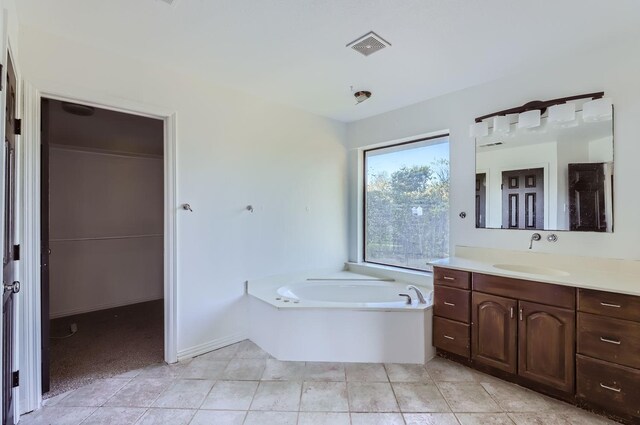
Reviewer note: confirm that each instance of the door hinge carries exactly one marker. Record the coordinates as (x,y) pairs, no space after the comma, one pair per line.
(16,252)
(16,378)
(1,68)
(17,126)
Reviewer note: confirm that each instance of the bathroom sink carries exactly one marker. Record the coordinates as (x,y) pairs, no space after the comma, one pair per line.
(521,268)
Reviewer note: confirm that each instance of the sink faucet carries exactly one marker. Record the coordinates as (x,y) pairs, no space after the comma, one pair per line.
(535,237)
(421,299)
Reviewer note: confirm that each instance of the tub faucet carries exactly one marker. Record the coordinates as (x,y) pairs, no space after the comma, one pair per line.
(421,299)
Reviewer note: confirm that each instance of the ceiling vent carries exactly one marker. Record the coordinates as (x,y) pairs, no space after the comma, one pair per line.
(369,44)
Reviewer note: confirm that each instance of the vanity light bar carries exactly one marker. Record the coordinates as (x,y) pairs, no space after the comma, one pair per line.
(540,105)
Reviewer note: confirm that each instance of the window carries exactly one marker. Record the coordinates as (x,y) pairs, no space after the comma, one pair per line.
(406,203)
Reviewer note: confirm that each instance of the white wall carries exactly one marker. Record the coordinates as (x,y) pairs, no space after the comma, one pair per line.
(232,150)
(614,70)
(106,225)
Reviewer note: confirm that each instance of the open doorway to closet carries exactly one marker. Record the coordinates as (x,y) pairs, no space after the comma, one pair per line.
(102,221)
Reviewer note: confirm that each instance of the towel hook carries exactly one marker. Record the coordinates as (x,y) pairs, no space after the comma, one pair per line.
(249,208)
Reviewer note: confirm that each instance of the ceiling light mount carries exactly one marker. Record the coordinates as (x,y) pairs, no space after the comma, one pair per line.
(78,109)
(361,96)
(369,43)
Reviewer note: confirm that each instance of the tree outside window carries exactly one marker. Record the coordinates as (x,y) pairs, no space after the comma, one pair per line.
(407,203)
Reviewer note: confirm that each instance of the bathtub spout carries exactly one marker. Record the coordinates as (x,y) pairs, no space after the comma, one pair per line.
(421,299)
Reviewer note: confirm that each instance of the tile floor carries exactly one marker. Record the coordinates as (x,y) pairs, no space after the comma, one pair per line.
(241,384)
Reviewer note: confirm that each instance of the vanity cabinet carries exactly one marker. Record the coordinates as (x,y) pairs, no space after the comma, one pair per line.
(608,365)
(494,331)
(451,321)
(525,329)
(579,345)
(546,341)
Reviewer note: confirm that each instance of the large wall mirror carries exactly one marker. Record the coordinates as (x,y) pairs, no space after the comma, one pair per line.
(547,165)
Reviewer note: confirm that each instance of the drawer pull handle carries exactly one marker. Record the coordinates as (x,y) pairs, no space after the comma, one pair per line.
(451,304)
(449,337)
(448,278)
(606,387)
(511,312)
(610,305)
(610,341)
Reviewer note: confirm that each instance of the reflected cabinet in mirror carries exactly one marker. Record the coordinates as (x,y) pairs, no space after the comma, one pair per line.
(547,165)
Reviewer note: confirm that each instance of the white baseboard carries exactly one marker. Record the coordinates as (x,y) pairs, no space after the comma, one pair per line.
(106,306)
(199,349)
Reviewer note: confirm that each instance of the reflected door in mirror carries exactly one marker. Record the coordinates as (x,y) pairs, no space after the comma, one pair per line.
(587,198)
(523,199)
(481,200)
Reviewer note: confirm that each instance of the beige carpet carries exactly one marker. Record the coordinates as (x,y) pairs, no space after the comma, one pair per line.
(108,343)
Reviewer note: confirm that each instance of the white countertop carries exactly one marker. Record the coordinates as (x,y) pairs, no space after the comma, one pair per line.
(620,276)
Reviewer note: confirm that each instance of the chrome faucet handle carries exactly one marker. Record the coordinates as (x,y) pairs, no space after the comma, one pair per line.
(408,302)
(535,237)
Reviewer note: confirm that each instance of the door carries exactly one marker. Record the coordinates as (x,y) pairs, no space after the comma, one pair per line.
(586,197)
(10,285)
(493,331)
(481,200)
(45,324)
(523,199)
(547,345)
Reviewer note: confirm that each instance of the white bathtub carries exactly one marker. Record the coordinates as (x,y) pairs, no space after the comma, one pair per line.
(345,292)
(340,317)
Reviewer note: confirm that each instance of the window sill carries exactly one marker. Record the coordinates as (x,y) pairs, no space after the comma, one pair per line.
(415,277)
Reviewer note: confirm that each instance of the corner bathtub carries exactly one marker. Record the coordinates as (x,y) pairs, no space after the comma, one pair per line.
(349,292)
(340,317)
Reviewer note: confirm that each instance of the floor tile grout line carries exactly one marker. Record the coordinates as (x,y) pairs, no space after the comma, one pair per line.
(443,397)
(393,390)
(495,399)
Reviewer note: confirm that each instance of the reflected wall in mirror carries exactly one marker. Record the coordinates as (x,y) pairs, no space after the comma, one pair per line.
(546,166)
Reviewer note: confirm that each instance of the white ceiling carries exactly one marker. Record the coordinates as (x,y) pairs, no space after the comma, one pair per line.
(293,51)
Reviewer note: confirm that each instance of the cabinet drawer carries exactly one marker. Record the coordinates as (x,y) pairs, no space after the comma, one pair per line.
(609,386)
(453,278)
(525,290)
(609,304)
(604,338)
(451,336)
(451,303)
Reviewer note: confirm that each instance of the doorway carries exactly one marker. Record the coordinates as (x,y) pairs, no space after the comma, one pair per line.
(11,251)
(102,243)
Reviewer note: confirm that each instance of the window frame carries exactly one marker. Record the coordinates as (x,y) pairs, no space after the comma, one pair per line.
(363,176)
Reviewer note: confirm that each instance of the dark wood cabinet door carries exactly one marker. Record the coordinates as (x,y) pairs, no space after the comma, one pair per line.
(494,331)
(546,338)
